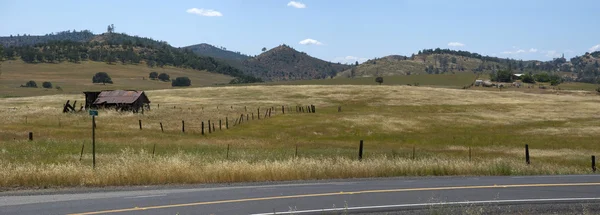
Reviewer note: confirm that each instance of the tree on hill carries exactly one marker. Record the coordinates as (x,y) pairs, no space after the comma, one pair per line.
(264,49)
(153,75)
(31,84)
(502,76)
(47,85)
(181,82)
(110,58)
(110,29)
(379,80)
(164,77)
(102,77)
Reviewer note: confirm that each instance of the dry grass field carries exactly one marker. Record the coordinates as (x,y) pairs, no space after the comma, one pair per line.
(441,124)
(75,78)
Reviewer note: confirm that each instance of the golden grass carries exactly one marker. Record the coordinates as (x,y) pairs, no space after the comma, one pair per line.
(77,77)
(139,168)
(441,124)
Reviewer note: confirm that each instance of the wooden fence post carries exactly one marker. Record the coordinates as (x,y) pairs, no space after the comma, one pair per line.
(360,150)
(252,115)
(258,113)
(469,153)
(247,117)
(140,124)
(182,126)
(313,108)
(270,112)
(213,124)
(81,155)
(220,125)
(413,154)
(226,123)
(245,109)
(161,127)
(153,149)
(282,109)
(30,136)
(202,129)
(527,154)
(209,129)
(593,163)
(227,156)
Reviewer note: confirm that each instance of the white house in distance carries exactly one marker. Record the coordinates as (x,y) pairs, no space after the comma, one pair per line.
(517,76)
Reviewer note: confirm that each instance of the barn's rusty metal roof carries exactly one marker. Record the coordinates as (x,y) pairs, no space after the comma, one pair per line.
(118,97)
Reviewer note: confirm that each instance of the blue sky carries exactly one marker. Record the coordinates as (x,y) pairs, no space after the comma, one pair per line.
(339,31)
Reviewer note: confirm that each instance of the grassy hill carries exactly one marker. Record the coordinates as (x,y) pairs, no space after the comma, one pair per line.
(77,77)
(285,63)
(585,68)
(234,59)
(420,64)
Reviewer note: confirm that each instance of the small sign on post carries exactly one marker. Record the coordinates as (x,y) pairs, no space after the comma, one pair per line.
(93,112)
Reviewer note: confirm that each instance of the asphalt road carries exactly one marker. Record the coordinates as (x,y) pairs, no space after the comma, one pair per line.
(320,197)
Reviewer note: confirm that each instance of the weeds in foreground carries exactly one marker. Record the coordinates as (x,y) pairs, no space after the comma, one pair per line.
(139,168)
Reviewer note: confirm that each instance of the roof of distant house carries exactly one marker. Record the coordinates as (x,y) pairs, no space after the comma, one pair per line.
(119,97)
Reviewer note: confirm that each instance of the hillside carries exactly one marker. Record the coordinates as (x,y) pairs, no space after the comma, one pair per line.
(112,48)
(583,68)
(420,64)
(25,40)
(234,59)
(284,63)
(77,77)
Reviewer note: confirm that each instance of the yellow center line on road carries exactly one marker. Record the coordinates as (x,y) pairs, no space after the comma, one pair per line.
(334,194)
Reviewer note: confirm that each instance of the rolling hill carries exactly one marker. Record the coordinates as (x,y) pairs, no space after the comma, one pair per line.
(234,59)
(284,63)
(583,68)
(112,48)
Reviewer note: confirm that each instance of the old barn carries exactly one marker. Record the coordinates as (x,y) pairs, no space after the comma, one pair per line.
(121,100)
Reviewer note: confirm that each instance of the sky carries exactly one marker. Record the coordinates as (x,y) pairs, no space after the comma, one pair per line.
(334,30)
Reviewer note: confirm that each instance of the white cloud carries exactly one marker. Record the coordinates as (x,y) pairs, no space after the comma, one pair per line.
(518,51)
(204,12)
(455,44)
(552,54)
(310,42)
(595,48)
(349,59)
(296,4)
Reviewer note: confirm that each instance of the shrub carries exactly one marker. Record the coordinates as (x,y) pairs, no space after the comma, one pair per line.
(58,88)
(153,75)
(102,77)
(181,82)
(164,77)
(31,84)
(542,77)
(47,85)
(528,78)
(379,80)
(555,80)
